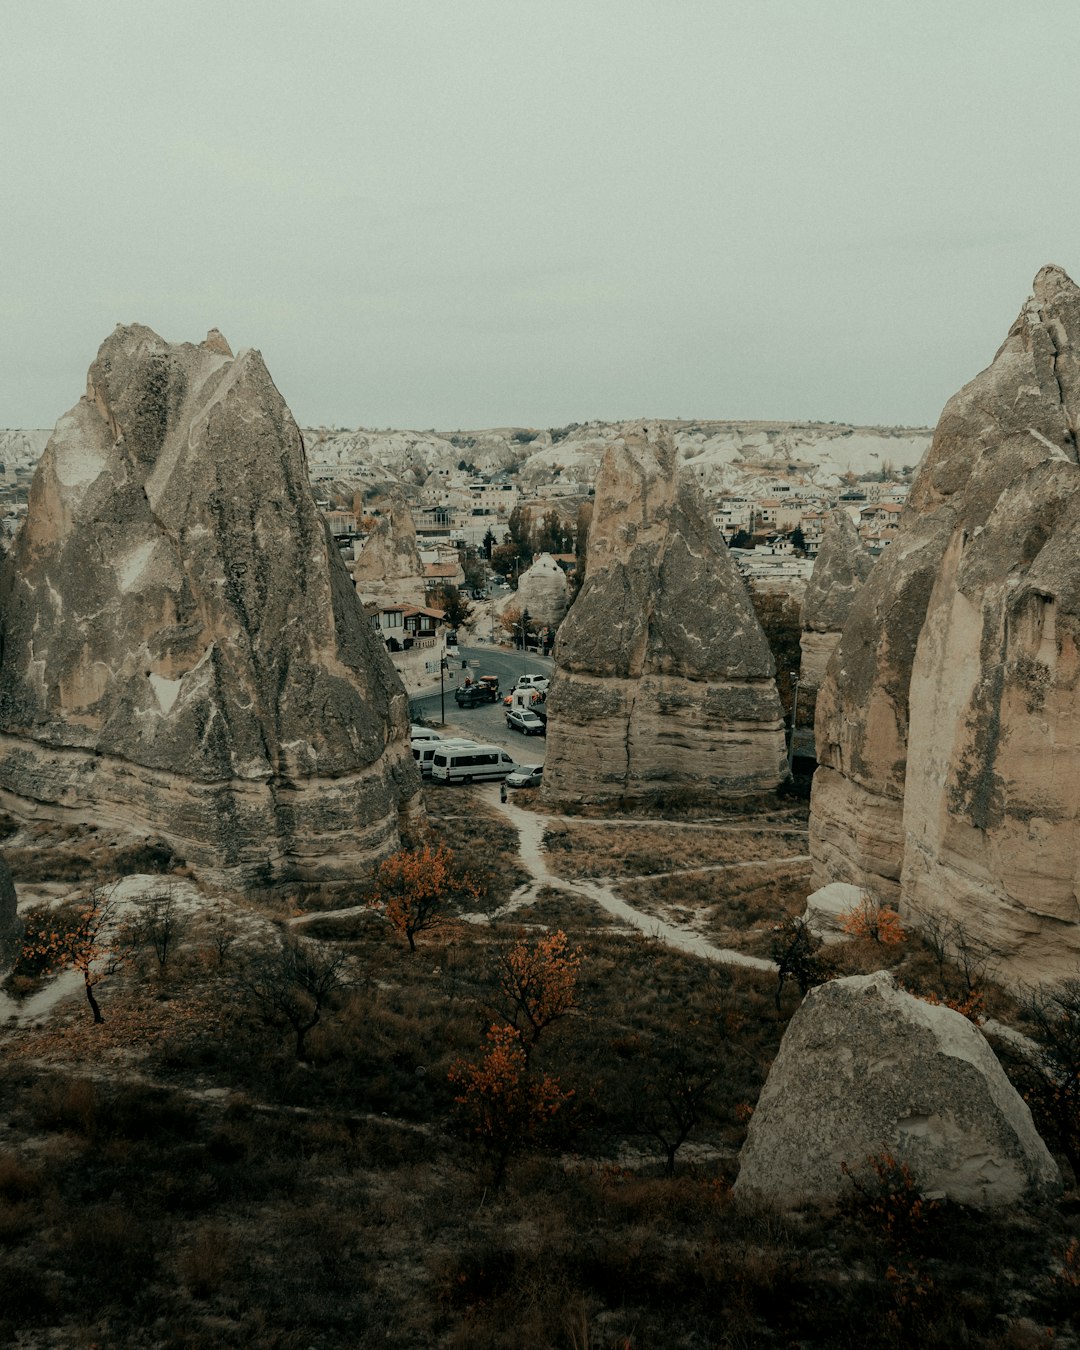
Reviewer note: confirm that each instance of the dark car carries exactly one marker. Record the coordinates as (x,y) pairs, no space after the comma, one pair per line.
(471,696)
(521,719)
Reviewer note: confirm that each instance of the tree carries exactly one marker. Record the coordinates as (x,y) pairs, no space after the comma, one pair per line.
(503,1104)
(475,573)
(798,539)
(159,924)
(454,605)
(870,919)
(798,956)
(742,539)
(292,983)
(414,887)
(504,560)
(536,985)
(78,937)
(489,543)
(581,546)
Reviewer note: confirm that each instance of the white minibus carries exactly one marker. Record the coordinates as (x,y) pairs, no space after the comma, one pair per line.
(470,764)
(423,751)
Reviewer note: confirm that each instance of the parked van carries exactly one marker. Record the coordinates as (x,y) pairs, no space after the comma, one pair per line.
(470,764)
(423,751)
(419,733)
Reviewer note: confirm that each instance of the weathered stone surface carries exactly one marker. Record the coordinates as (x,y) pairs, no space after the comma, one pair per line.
(949,720)
(543,591)
(865,1067)
(389,569)
(10,924)
(664,680)
(840,568)
(183,651)
(827,909)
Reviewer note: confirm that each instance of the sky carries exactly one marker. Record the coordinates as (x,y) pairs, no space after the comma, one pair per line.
(473,213)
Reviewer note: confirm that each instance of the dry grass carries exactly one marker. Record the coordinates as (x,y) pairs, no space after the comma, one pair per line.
(581,850)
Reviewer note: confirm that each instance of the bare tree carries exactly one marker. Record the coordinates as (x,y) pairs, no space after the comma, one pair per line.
(159,924)
(293,983)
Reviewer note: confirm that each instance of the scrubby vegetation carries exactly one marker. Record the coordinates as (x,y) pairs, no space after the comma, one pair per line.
(523,1133)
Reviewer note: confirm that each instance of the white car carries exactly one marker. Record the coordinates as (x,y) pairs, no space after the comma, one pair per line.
(526,775)
(533,682)
(520,719)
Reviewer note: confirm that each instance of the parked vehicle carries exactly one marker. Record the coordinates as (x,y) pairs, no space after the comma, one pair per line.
(521,719)
(533,682)
(419,733)
(526,775)
(486,690)
(424,751)
(470,764)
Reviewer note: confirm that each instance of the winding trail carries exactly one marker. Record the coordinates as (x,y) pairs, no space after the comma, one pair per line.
(531,827)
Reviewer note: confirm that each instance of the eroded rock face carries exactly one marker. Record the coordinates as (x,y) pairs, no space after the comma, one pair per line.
(389,570)
(864,1068)
(11,929)
(840,568)
(543,591)
(664,680)
(949,720)
(183,651)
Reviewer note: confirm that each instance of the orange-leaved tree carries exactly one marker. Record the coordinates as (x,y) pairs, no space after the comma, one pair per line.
(869,919)
(536,984)
(414,887)
(503,1103)
(78,937)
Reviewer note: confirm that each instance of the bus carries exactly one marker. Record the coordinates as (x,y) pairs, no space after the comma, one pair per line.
(470,764)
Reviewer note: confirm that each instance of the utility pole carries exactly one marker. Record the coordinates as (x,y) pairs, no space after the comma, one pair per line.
(442,690)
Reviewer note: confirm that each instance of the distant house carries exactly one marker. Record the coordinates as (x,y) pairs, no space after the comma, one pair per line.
(443,574)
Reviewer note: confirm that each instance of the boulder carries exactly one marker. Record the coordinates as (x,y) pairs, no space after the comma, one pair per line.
(827,908)
(865,1068)
(183,652)
(664,683)
(948,724)
(840,568)
(388,569)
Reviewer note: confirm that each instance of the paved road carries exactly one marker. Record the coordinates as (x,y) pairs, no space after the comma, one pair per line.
(487,722)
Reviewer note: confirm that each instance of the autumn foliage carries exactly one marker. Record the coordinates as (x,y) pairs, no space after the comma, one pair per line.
(504,1104)
(537,984)
(414,887)
(77,937)
(877,922)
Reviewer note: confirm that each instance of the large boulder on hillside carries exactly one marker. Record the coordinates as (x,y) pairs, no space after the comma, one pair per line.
(664,683)
(183,652)
(388,569)
(840,568)
(864,1069)
(948,724)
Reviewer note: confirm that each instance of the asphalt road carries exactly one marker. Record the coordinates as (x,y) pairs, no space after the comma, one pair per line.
(486,722)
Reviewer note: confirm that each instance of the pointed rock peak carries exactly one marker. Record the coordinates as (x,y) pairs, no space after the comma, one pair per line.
(215,341)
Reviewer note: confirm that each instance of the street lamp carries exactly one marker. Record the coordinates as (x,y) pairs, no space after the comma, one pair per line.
(794,677)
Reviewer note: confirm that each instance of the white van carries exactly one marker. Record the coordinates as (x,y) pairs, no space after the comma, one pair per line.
(470,764)
(533,682)
(423,751)
(419,733)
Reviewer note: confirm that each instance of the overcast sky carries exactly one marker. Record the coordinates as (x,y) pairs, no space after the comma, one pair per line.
(466,213)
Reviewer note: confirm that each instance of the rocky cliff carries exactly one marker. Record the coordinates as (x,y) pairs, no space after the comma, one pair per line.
(664,680)
(388,569)
(949,721)
(840,568)
(543,591)
(183,652)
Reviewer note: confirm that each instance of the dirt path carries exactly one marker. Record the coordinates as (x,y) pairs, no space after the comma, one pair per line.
(531,828)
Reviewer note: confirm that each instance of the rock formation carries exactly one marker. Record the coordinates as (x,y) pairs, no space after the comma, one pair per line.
(389,570)
(864,1068)
(664,680)
(543,591)
(841,567)
(183,652)
(948,724)
(10,925)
